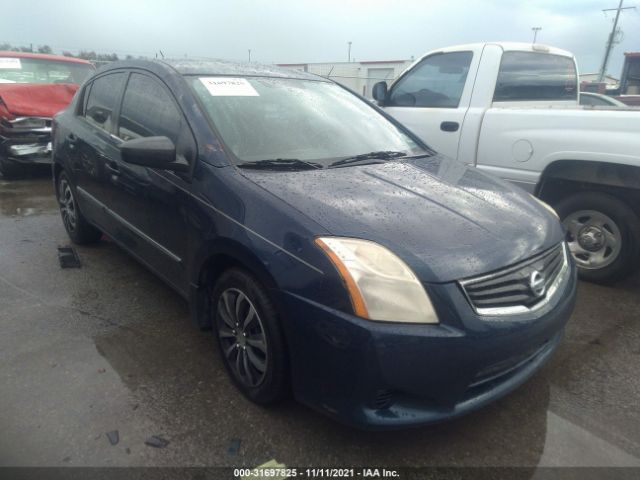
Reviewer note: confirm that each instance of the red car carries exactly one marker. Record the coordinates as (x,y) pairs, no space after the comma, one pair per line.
(33,88)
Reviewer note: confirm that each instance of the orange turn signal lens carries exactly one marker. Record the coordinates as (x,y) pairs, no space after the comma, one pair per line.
(359,307)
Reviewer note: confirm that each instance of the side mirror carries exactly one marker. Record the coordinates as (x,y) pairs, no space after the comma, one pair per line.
(98,115)
(379,92)
(153,152)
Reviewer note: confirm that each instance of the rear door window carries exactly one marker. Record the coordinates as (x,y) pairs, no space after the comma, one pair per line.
(436,82)
(102,99)
(148,110)
(536,76)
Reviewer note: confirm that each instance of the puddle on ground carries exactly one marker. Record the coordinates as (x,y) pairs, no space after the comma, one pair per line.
(23,198)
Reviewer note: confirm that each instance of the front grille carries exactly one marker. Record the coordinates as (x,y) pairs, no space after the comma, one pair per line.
(520,287)
(383,399)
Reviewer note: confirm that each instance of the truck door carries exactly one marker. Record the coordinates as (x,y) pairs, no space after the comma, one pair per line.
(433,97)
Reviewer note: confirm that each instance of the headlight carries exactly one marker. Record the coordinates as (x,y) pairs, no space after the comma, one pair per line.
(381,286)
(27,123)
(546,205)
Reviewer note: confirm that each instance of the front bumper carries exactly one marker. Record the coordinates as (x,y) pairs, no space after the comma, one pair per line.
(30,152)
(384,375)
(26,146)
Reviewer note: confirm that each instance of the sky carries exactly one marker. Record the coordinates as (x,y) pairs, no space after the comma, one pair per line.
(305,31)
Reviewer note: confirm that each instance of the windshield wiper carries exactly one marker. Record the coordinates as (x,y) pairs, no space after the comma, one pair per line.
(280,164)
(367,157)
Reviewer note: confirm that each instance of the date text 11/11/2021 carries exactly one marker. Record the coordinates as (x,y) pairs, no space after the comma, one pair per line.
(284,472)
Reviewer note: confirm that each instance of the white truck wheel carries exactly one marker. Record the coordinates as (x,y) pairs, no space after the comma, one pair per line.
(603,234)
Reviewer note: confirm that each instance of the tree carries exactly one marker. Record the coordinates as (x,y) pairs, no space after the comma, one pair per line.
(84,54)
(8,46)
(87,55)
(105,57)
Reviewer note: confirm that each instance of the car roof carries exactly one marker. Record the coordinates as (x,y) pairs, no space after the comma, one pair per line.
(225,67)
(43,56)
(188,66)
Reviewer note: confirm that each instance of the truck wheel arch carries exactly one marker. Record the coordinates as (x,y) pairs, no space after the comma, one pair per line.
(596,192)
(562,178)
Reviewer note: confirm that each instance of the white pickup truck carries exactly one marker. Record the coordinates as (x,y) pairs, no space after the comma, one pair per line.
(513,110)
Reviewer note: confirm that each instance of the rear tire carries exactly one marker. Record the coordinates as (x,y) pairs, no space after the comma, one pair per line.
(78,228)
(248,332)
(603,234)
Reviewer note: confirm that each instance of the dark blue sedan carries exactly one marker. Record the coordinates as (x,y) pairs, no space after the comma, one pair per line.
(332,253)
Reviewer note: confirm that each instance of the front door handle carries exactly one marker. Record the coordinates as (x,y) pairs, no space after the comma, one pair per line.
(112,167)
(449,126)
(72,139)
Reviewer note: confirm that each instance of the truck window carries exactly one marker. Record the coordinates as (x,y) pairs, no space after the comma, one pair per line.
(436,82)
(536,76)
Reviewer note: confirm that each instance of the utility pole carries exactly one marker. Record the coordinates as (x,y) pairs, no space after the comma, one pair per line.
(249,55)
(611,40)
(349,54)
(535,33)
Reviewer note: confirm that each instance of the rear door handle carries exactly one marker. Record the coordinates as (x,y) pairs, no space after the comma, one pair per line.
(449,126)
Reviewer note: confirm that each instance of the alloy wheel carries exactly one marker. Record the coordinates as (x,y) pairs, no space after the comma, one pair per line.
(242,337)
(67,205)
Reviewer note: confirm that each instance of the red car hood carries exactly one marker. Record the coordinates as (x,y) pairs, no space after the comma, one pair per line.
(34,100)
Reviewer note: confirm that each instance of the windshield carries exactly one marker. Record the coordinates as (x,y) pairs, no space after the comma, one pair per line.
(35,70)
(280,118)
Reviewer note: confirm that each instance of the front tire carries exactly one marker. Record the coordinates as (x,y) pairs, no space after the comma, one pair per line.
(78,228)
(248,332)
(603,234)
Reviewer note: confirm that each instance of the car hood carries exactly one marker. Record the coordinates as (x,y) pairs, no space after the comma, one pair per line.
(447,221)
(36,100)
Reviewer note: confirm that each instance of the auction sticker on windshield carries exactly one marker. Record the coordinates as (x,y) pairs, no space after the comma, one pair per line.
(10,63)
(229,87)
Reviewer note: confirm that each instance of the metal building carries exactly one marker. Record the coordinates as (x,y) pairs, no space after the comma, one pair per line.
(358,76)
